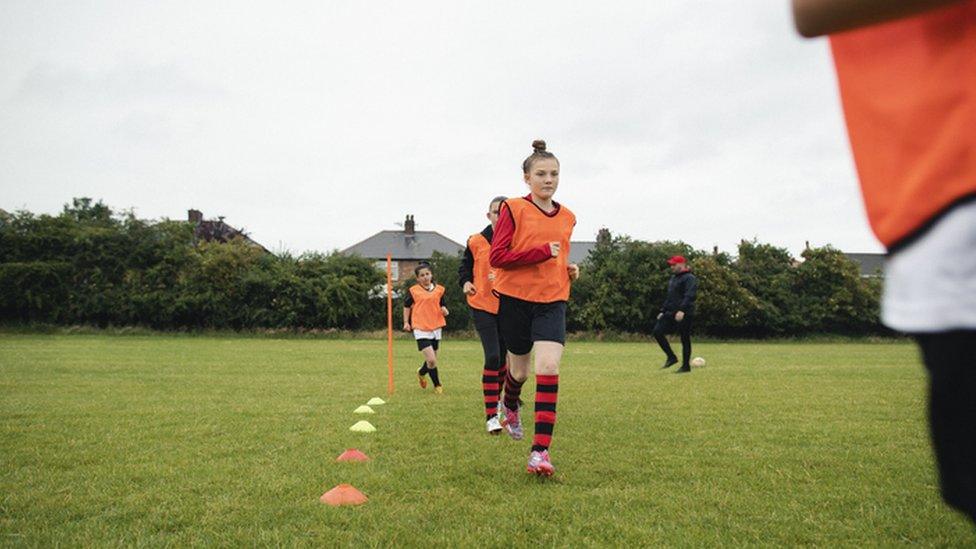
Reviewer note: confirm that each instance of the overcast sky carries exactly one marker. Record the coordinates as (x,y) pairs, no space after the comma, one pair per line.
(313,125)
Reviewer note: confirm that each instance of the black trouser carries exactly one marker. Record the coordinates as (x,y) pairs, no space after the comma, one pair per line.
(950,358)
(491,338)
(666,325)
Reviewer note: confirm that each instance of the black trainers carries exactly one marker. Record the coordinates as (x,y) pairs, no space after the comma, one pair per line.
(683,370)
(669,362)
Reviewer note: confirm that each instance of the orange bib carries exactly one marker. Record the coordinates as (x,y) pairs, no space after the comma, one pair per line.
(426,314)
(543,282)
(484,299)
(909,93)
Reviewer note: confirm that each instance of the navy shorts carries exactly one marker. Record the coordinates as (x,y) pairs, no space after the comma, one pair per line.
(522,323)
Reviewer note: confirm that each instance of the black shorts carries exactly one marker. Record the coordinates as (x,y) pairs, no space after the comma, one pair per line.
(424,343)
(522,323)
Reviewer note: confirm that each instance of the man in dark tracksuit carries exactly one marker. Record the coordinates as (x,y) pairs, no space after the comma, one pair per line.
(677,313)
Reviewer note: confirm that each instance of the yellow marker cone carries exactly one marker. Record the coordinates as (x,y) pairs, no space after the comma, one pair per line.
(375,401)
(363,410)
(363,427)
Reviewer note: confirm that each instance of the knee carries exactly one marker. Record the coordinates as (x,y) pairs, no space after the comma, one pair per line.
(547,367)
(431,362)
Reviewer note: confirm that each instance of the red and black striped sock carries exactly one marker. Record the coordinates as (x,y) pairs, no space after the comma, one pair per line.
(513,390)
(489,385)
(546,394)
(502,371)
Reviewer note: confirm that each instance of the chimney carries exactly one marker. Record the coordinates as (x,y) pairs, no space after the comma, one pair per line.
(715,250)
(195,216)
(408,225)
(807,245)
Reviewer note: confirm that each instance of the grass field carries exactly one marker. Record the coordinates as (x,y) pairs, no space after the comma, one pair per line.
(175,440)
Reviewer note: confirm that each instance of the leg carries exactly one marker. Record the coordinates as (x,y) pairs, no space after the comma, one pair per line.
(684,329)
(518,372)
(950,358)
(515,325)
(487,326)
(548,355)
(423,370)
(661,329)
(503,360)
(549,334)
(430,355)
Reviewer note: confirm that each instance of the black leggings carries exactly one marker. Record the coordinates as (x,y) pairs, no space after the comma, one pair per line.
(950,358)
(667,324)
(491,338)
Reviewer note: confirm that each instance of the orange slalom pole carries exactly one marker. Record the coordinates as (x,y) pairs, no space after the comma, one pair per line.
(389,322)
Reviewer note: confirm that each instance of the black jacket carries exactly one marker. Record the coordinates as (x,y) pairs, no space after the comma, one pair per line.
(681,293)
(466,269)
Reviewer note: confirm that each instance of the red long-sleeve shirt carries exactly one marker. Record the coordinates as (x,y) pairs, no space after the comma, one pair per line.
(502,254)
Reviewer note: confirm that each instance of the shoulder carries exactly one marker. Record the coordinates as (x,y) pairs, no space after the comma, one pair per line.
(563,210)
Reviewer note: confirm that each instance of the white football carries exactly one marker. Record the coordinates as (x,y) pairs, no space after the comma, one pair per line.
(698,362)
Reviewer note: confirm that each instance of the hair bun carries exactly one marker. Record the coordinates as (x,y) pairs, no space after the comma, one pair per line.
(539,145)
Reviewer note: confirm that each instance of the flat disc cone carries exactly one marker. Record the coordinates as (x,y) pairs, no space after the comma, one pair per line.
(352,454)
(343,494)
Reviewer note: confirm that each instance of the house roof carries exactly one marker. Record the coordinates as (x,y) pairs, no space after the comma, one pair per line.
(870,264)
(400,245)
(218,231)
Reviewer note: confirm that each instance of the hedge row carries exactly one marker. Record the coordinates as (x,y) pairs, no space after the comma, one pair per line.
(89,265)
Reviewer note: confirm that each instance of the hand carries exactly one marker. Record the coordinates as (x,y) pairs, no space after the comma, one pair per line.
(406,326)
(469,288)
(554,249)
(679,316)
(573,270)
(445,311)
(659,315)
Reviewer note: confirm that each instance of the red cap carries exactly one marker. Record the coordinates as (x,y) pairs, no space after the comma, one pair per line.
(675,259)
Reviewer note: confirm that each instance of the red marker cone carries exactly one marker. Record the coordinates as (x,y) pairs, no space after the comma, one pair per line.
(343,494)
(352,454)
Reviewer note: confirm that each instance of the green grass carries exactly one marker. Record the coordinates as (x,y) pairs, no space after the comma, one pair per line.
(174,440)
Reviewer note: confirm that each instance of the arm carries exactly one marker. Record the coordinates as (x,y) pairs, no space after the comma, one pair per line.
(407,306)
(819,17)
(501,243)
(466,272)
(443,306)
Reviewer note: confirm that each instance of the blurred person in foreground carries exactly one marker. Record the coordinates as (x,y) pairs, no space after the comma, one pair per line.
(907,76)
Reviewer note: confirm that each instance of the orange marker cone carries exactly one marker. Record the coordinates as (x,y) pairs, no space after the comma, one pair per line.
(352,454)
(343,494)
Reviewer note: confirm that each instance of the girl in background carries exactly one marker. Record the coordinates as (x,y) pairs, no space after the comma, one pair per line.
(424,313)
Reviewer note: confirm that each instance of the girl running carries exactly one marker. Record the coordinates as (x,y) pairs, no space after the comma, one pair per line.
(424,312)
(476,276)
(530,251)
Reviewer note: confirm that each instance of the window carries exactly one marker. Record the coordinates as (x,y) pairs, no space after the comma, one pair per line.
(394,268)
